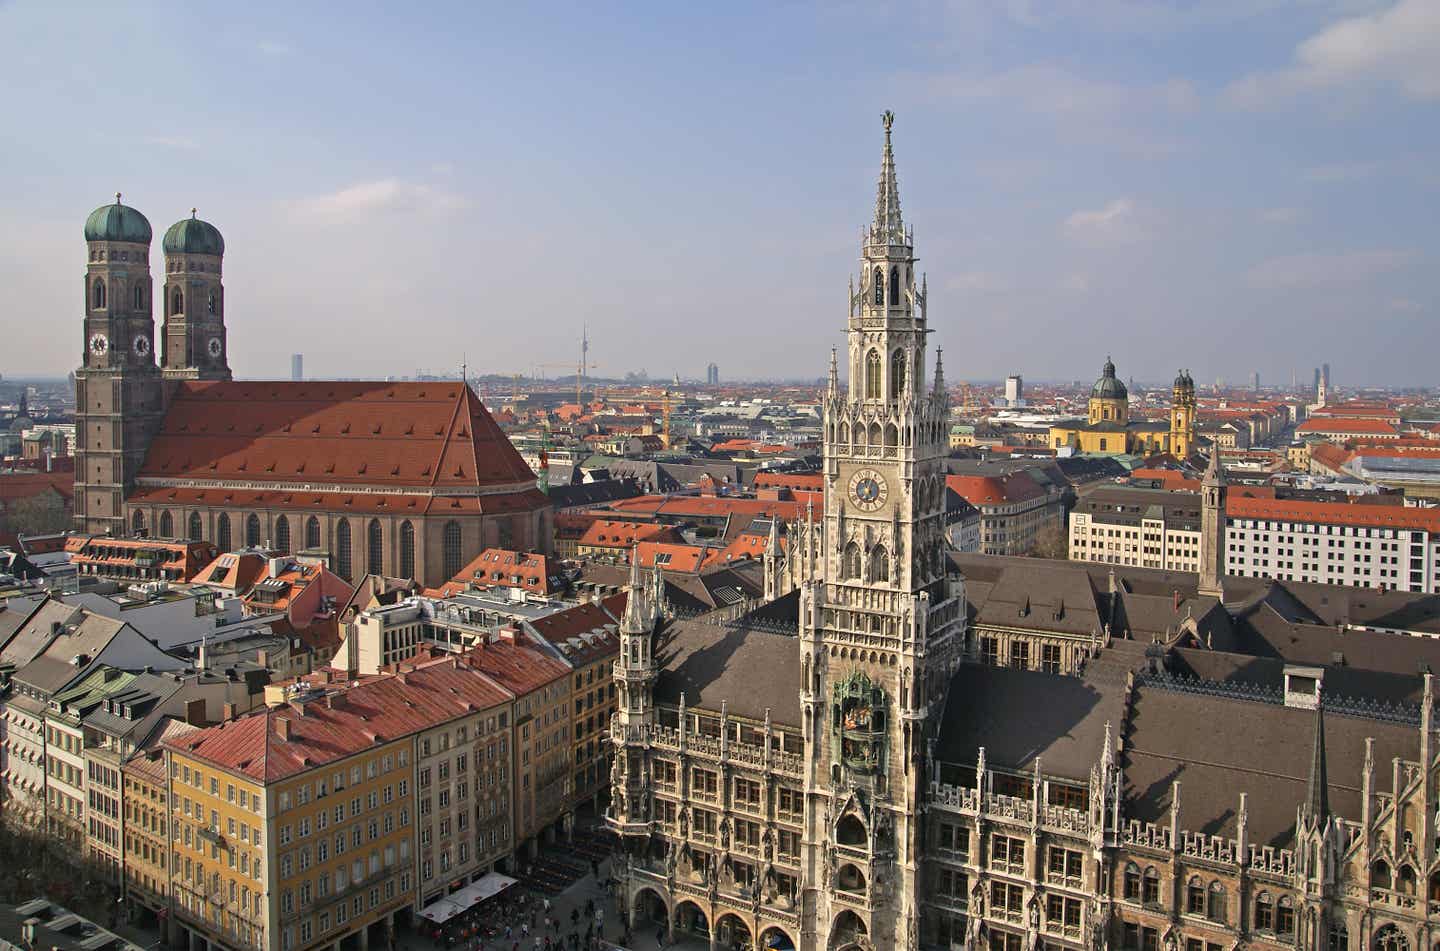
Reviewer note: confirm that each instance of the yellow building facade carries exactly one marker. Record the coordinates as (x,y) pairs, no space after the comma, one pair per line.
(1109,430)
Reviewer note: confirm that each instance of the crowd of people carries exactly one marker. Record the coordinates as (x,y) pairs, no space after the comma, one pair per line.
(517,920)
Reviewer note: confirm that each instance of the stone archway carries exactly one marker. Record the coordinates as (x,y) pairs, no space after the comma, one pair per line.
(775,938)
(690,920)
(848,932)
(649,908)
(733,933)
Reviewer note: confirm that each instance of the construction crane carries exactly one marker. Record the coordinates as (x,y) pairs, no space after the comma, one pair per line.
(579,369)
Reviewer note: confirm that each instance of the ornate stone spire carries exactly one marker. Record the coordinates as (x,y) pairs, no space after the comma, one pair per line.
(635,619)
(834,390)
(939,371)
(1317,798)
(888,226)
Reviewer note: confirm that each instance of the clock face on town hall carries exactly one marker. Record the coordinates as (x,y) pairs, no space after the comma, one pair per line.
(868,489)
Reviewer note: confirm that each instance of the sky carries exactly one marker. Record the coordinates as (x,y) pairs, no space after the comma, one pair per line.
(1227,186)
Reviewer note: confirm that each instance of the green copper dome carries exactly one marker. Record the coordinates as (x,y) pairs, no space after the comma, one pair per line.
(117,222)
(1108,387)
(193,236)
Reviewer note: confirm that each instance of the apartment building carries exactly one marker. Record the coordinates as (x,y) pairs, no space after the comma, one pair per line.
(293,827)
(1137,527)
(587,638)
(1387,547)
(145,802)
(462,780)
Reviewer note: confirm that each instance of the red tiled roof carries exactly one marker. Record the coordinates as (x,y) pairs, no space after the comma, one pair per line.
(364,503)
(1358,426)
(15,486)
(615,534)
(237,572)
(102,551)
(342,721)
(1336,513)
(500,566)
(565,627)
(994,490)
(433,435)
(686,558)
(698,506)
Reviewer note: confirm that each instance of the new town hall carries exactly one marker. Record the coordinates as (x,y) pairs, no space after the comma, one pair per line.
(918,750)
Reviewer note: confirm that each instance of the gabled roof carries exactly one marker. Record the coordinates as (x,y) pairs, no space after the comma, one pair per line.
(434,434)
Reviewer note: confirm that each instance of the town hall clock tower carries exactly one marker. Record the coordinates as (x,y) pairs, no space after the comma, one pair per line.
(881,627)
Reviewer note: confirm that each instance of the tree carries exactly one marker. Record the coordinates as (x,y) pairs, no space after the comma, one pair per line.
(43,513)
(1050,542)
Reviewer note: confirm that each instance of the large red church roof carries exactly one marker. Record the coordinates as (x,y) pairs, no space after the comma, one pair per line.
(434,435)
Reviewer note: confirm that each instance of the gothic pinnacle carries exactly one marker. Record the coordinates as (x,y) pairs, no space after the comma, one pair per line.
(834,374)
(887,198)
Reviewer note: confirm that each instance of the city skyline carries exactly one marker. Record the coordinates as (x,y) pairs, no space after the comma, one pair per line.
(1150,181)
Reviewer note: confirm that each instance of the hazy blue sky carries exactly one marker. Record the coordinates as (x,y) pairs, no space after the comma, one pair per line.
(1227,185)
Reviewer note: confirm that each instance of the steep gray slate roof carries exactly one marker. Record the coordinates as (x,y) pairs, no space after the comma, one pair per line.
(1018,715)
(1218,747)
(750,670)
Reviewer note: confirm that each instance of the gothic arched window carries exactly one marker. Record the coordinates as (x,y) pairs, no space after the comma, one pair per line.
(894,286)
(879,564)
(342,549)
(1285,917)
(1380,875)
(282,535)
(1391,938)
(177,301)
(167,525)
(1338,938)
(197,527)
(312,533)
(407,550)
(137,524)
(99,293)
(222,532)
(897,374)
(1264,919)
(872,375)
(252,530)
(374,548)
(1407,880)
(879,281)
(210,302)
(1215,909)
(850,561)
(139,297)
(450,549)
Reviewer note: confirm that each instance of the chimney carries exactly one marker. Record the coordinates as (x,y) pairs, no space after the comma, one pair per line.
(262,658)
(227,711)
(335,700)
(195,712)
(202,658)
(282,728)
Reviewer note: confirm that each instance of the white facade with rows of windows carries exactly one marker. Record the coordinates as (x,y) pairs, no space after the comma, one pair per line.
(1324,553)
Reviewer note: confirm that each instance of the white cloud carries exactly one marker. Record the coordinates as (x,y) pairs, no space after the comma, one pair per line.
(1397,46)
(1117,219)
(1325,270)
(386,195)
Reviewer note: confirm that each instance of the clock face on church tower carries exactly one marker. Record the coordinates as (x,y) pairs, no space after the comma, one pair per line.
(868,490)
(98,344)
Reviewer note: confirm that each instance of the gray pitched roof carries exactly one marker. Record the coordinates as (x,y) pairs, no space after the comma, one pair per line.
(1218,747)
(748,670)
(1018,715)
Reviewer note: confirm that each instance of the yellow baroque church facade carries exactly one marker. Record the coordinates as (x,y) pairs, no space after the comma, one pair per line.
(1108,429)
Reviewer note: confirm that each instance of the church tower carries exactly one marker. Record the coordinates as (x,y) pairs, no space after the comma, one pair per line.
(194,302)
(1213,490)
(118,389)
(1182,415)
(881,625)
